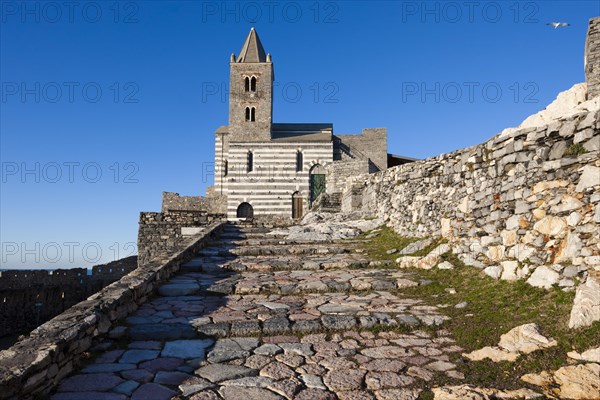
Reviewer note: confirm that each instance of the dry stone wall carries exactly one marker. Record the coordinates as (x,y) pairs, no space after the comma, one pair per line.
(523,205)
(34,366)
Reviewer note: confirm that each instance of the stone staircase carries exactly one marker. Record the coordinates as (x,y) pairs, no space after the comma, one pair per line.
(256,316)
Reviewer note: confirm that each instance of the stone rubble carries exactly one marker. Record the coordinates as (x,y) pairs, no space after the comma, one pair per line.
(580,381)
(523,339)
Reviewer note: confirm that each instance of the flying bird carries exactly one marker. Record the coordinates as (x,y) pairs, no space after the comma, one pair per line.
(557,24)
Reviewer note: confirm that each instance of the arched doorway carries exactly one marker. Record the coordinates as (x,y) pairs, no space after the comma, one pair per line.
(317,181)
(297,205)
(245,210)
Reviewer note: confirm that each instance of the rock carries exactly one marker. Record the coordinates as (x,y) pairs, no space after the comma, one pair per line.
(416,246)
(588,355)
(152,391)
(224,372)
(469,392)
(386,380)
(186,348)
(586,306)
(494,271)
(496,253)
(136,356)
(407,261)
(572,382)
(248,393)
(194,385)
(590,177)
(445,265)
(344,379)
(90,382)
(525,339)
(178,289)
(569,248)
(440,366)
(551,226)
(543,277)
(509,238)
(493,353)
(398,394)
(566,103)
(509,270)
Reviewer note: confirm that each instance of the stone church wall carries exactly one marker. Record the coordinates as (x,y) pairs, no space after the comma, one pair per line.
(526,203)
(273,179)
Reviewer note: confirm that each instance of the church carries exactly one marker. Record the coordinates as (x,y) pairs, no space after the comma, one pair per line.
(280,169)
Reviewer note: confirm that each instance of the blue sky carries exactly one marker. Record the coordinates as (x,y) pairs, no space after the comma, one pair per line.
(106,104)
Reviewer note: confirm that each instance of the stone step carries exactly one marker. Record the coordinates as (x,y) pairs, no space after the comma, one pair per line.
(270,241)
(248,235)
(258,314)
(294,263)
(288,250)
(286,282)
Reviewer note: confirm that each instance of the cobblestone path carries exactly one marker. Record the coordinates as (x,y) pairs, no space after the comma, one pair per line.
(258,317)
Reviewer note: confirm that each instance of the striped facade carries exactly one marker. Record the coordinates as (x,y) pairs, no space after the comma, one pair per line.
(274,178)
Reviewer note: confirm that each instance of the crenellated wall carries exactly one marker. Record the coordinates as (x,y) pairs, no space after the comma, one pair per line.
(31,297)
(35,365)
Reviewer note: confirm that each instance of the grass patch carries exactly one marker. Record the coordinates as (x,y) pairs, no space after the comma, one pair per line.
(575,150)
(385,240)
(493,308)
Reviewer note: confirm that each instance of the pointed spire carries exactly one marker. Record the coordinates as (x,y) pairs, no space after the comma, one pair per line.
(252,50)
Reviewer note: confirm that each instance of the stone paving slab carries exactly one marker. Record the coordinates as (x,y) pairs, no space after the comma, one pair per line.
(241,326)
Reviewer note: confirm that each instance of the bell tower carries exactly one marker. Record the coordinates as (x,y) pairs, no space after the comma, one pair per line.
(251,92)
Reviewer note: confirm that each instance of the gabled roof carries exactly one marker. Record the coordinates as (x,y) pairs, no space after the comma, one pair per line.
(252,50)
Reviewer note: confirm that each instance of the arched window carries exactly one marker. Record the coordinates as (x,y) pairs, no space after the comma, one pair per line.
(299,161)
(247,113)
(247,84)
(250,162)
(253,114)
(253,84)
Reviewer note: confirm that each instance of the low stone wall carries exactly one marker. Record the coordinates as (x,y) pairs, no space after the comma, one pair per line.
(31,297)
(161,232)
(34,366)
(523,205)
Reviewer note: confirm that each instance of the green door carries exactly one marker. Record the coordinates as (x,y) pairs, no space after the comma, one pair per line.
(317,186)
